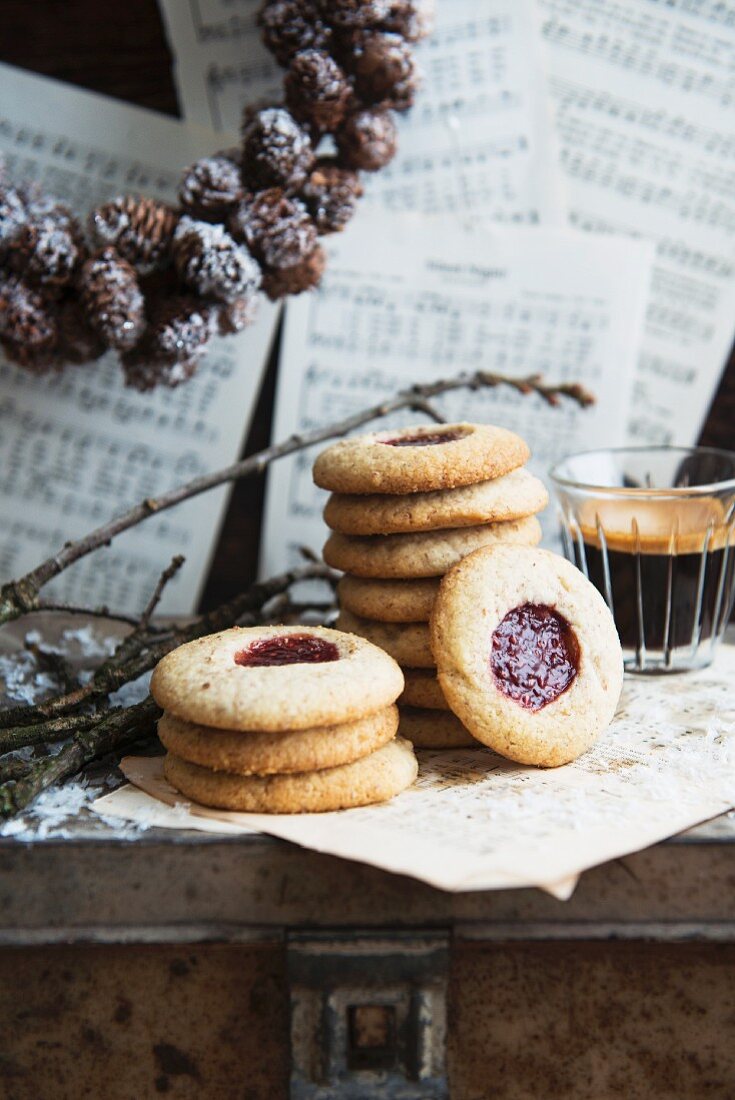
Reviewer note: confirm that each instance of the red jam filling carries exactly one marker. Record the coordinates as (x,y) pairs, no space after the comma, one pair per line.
(535,655)
(429,440)
(288,649)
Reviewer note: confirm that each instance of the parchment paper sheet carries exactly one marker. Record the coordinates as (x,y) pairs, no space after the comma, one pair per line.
(474,821)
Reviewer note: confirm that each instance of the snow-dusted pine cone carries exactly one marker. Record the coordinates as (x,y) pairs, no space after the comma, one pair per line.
(331,195)
(384,69)
(172,345)
(414,19)
(210,188)
(294,280)
(350,14)
(288,26)
(277,152)
(276,229)
(212,263)
(112,299)
(317,91)
(29,326)
(140,229)
(367,140)
(48,251)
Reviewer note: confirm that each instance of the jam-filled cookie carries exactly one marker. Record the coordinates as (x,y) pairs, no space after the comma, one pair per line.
(408,601)
(374,778)
(435,729)
(527,654)
(275,678)
(254,752)
(419,460)
(423,554)
(407,643)
(513,496)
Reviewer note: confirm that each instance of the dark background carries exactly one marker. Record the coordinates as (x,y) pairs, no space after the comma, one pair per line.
(120,49)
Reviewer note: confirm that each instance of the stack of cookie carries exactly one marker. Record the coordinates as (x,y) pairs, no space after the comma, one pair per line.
(282,719)
(405,507)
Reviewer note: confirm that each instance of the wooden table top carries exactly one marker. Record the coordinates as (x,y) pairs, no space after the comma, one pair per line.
(121,50)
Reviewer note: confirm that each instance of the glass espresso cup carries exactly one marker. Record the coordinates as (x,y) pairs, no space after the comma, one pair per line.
(654,530)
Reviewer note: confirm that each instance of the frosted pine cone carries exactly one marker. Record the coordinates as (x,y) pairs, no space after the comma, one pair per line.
(210,188)
(294,280)
(331,195)
(384,69)
(414,19)
(353,14)
(212,263)
(78,343)
(47,252)
(367,140)
(237,315)
(29,327)
(317,91)
(140,229)
(276,229)
(12,215)
(173,343)
(288,26)
(112,299)
(276,151)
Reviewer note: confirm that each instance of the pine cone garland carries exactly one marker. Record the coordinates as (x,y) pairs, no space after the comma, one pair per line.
(29,327)
(288,26)
(47,252)
(331,195)
(210,188)
(276,229)
(276,151)
(139,229)
(317,91)
(353,14)
(112,300)
(367,140)
(212,263)
(384,69)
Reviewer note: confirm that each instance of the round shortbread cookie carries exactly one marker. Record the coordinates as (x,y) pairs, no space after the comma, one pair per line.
(422,690)
(389,601)
(407,643)
(257,753)
(435,729)
(424,554)
(231,680)
(374,778)
(516,495)
(419,460)
(527,652)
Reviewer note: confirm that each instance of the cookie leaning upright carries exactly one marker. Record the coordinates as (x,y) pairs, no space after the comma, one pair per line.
(527,654)
(406,506)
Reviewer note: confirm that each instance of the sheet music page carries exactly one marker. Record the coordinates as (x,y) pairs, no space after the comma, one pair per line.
(474,821)
(407,300)
(479,137)
(645,103)
(79,447)
(220,64)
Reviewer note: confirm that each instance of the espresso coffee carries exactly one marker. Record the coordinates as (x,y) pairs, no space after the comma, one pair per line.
(668,573)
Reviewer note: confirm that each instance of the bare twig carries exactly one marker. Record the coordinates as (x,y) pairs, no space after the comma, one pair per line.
(116,730)
(20,596)
(42,733)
